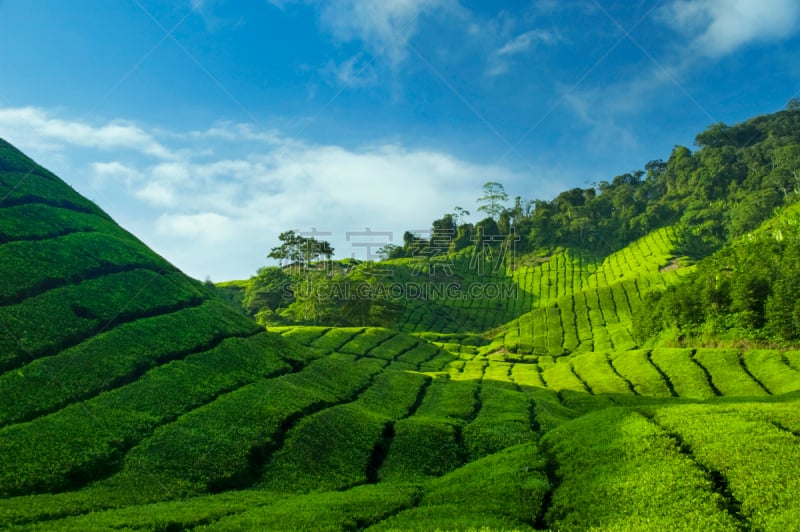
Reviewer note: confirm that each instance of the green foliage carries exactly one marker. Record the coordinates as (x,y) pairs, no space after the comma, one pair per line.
(40,221)
(426,443)
(320,297)
(270,289)
(223,444)
(333,339)
(506,489)
(561,376)
(772,369)
(23,182)
(502,420)
(423,447)
(620,471)
(635,366)
(746,291)
(46,324)
(367,341)
(84,370)
(737,441)
(596,371)
(686,376)
(85,441)
(354,509)
(335,448)
(70,259)
(728,373)
(326,451)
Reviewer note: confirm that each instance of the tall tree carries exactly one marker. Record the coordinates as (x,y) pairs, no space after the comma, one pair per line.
(299,249)
(459,214)
(492,200)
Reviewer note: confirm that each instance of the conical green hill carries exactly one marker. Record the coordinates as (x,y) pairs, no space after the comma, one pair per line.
(101,340)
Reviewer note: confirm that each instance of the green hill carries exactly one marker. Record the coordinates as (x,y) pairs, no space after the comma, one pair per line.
(135,398)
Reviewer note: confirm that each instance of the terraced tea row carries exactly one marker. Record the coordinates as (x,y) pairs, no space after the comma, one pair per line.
(64,317)
(662,372)
(36,221)
(23,182)
(70,259)
(366,419)
(471,296)
(87,440)
(645,481)
(751,451)
(502,490)
(374,342)
(84,371)
(343,446)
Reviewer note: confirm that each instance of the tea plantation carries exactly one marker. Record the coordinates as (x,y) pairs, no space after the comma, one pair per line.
(134,398)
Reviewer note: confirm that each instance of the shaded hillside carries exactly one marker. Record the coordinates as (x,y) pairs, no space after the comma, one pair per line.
(749,291)
(102,340)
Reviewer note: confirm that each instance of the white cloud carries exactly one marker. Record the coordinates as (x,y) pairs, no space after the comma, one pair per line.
(26,124)
(210,227)
(500,60)
(602,114)
(206,10)
(525,41)
(226,219)
(719,27)
(231,131)
(102,173)
(385,27)
(114,170)
(157,194)
(354,72)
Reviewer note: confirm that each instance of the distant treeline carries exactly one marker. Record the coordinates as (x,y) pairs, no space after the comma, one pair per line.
(731,184)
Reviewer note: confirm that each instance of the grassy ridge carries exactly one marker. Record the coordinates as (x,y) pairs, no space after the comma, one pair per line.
(84,370)
(339,447)
(581,304)
(735,441)
(224,444)
(46,324)
(87,440)
(618,471)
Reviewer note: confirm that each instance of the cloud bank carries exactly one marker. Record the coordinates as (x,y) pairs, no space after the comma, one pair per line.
(214,201)
(718,27)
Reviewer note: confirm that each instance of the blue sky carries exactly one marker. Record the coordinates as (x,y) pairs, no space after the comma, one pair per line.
(207,127)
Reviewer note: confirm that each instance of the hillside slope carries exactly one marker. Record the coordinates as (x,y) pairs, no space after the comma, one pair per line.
(102,340)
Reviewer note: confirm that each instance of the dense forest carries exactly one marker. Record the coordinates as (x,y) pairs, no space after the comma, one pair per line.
(748,291)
